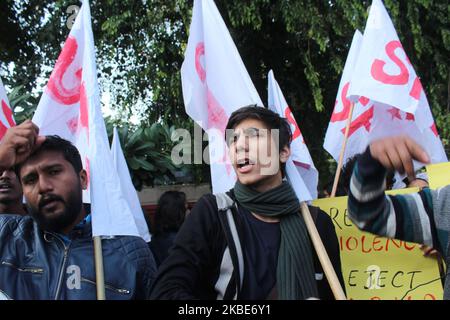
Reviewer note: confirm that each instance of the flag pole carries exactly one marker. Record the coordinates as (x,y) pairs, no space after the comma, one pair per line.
(330,273)
(99,274)
(341,155)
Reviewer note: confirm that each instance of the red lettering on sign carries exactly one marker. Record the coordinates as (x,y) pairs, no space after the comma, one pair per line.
(72,124)
(416,89)
(377,69)
(434,129)
(200,51)
(58,91)
(342,115)
(8,114)
(217,118)
(364,101)
(410,117)
(362,121)
(290,117)
(3,129)
(84,112)
(395,113)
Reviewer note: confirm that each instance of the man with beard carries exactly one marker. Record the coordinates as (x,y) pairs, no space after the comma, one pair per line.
(11,193)
(256,246)
(49,254)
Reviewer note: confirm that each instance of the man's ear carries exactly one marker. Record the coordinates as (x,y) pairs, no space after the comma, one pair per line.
(285,153)
(83,179)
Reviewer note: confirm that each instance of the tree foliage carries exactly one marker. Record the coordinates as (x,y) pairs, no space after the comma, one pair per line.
(141,43)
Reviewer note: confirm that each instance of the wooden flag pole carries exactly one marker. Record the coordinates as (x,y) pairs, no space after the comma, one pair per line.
(341,155)
(99,275)
(332,278)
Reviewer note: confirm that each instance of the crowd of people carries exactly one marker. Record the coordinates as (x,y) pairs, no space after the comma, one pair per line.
(248,243)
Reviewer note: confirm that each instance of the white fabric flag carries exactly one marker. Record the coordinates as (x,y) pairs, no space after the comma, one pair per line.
(215,83)
(70,108)
(362,113)
(300,169)
(383,72)
(6,114)
(127,187)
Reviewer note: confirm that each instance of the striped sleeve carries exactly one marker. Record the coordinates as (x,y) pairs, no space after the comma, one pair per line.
(406,217)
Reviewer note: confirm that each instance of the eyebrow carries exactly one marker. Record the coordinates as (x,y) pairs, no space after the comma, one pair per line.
(246,130)
(251,129)
(46,168)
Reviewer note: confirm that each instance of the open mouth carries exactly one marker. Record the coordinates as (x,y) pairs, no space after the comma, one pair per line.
(5,186)
(244,165)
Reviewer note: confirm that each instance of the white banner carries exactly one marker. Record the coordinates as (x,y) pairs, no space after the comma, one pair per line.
(300,168)
(70,108)
(215,83)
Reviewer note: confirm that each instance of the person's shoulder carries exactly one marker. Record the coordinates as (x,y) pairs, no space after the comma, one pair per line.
(321,218)
(15,223)
(207,200)
(130,244)
(134,248)
(205,205)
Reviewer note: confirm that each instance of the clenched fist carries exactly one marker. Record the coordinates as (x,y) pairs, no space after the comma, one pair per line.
(18,143)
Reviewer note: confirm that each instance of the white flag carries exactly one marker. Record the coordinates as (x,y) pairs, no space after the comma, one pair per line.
(383,72)
(70,108)
(215,83)
(6,114)
(300,168)
(360,128)
(128,188)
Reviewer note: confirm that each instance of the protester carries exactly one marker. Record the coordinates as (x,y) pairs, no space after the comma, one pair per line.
(421,217)
(169,216)
(49,254)
(258,247)
(11,193)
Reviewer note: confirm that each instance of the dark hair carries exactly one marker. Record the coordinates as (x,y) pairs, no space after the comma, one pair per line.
(58,144)
(170,212)
(328,187)
(347,171)
(271,119)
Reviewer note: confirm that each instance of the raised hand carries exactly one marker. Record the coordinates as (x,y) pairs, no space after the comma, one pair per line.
(18,143)
(397,153)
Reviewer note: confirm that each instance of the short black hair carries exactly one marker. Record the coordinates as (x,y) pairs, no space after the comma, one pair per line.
(58,144)
(170,212)
(271,119)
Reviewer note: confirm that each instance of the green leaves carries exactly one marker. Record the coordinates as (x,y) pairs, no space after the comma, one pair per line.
(147,151)
(141,48)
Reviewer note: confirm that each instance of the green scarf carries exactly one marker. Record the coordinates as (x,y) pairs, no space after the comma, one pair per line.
(295,268)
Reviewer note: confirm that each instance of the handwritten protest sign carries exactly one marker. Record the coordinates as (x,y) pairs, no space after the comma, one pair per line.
(438,174)
(379,268)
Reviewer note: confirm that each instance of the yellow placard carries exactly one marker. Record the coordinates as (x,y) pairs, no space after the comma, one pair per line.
(438,175)
(379,268)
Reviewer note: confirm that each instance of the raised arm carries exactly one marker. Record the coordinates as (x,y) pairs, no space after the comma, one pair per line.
(407,217)
(18,143)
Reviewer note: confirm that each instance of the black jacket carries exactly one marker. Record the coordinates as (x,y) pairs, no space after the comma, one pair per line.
(194,264)
(39,265)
